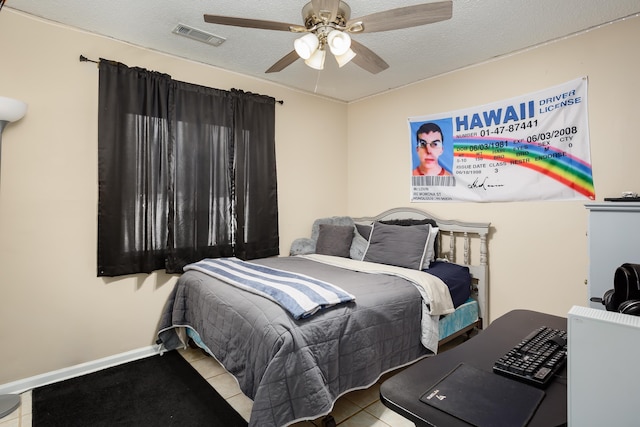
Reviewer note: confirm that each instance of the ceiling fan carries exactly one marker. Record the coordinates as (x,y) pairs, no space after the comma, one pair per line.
(328,23)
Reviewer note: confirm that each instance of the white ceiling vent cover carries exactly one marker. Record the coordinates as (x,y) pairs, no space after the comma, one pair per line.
(201,36)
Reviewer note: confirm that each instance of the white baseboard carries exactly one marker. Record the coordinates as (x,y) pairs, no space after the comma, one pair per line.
(26,384)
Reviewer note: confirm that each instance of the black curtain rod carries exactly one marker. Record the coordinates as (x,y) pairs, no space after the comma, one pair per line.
(85,59)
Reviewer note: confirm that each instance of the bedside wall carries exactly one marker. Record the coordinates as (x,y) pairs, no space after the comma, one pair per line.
(54,311)
(537,250)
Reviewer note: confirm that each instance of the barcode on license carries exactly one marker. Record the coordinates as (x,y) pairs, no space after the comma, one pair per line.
(428,181)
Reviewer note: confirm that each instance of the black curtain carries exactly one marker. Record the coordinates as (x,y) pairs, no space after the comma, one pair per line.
(186,172)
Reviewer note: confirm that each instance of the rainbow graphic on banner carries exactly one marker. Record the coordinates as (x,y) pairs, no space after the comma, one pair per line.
(549,161)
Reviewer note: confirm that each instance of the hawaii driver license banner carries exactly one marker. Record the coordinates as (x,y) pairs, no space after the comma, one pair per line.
(530,148)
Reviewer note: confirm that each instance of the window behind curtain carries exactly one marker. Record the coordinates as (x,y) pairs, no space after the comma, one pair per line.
(181,169)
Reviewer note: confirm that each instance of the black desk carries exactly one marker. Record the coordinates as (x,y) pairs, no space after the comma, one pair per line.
(401,392)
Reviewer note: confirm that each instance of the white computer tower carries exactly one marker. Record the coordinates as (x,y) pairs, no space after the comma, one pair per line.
(603,383)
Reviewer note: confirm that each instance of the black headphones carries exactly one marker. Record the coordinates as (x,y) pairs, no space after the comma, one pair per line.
(631,307)
(608,300)
(625,296)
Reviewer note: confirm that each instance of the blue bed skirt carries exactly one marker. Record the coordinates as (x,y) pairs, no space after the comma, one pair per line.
(465,315)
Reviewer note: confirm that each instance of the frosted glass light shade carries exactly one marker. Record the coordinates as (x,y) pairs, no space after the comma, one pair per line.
(345,58)
(317,59)
(306,45)
(11,109)
(339,42)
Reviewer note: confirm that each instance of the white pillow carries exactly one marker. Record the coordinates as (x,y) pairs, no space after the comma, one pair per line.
(431,251)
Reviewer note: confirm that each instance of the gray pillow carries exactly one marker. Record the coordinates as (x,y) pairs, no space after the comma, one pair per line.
(364,230)
(402,246)
(408,221)
(334,240)
(358,246)
(302,246)
(334,220)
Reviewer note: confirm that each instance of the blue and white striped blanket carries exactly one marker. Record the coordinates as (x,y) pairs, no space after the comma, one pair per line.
(299,294)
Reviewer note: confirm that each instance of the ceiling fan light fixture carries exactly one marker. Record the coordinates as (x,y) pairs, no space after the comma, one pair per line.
(328,26)
(316,60)
(345,58)
(339,42)
(306,45)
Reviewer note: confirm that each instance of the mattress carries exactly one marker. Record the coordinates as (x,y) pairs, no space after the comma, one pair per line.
(458,280)
(296,369)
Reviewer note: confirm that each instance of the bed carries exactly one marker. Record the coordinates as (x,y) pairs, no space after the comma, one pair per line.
(295,364)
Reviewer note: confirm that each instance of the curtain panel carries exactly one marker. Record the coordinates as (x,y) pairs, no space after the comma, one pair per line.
(185,172)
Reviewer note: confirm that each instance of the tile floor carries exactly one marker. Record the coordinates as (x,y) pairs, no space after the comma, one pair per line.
(360,408)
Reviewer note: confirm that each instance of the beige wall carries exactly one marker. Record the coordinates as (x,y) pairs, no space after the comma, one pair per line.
(54,311)
(537,250)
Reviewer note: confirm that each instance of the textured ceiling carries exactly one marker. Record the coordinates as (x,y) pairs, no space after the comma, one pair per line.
(478,31)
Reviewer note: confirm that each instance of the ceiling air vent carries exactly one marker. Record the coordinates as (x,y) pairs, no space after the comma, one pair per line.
(201,36)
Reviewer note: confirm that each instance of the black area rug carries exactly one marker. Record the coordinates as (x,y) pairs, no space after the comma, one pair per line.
(157,391)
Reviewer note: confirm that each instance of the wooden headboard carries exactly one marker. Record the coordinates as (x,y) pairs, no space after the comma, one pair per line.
(471,235)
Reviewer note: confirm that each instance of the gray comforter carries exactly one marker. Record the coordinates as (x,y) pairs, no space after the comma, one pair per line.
(296,369)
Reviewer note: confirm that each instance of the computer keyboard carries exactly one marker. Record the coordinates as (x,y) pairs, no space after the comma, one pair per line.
(536,359)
